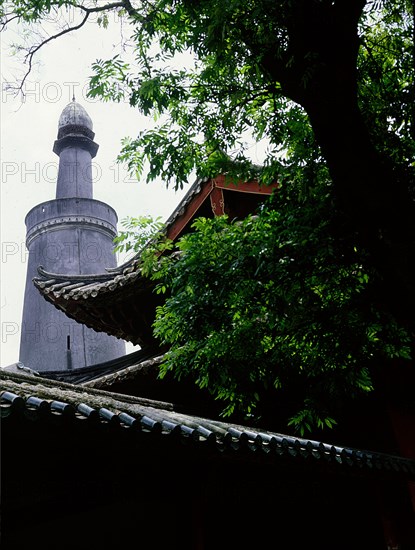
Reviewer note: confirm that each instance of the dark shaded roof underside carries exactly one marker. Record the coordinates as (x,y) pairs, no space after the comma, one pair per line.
(117,305)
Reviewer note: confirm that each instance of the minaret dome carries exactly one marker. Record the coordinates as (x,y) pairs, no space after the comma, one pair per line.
(74,115)
(75,129)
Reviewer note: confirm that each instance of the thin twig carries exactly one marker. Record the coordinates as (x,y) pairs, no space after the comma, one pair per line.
(31,53)
(126,4)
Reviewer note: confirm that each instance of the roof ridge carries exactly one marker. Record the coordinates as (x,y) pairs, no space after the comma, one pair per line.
(29,379)
(62,277)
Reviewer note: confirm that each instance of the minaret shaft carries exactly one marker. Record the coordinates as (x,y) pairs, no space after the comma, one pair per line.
(75,174)
(70,235)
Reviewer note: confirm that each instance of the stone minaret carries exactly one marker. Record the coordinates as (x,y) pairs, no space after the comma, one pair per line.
(72,234)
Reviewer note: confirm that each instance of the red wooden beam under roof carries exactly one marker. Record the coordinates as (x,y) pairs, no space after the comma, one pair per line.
(215,189)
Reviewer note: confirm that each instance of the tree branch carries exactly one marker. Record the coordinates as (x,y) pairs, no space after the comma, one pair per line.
(7,21)
(126,4)
(32,51)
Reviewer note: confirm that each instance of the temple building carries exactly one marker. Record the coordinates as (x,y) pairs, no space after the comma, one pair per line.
(69,235)
(111,455)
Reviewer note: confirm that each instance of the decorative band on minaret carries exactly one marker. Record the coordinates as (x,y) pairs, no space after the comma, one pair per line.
(73,235)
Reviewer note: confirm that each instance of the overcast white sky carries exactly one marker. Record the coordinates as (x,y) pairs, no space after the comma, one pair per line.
(29,167)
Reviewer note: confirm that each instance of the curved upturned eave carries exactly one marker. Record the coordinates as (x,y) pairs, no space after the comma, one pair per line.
(122,306)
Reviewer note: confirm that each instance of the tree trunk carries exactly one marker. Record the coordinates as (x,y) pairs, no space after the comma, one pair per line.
(320,73)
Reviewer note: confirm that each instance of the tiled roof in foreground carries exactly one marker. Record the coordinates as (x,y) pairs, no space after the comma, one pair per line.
(32,398)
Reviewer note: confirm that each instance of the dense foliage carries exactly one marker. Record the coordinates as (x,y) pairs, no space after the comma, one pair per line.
(318,288)
(279,302)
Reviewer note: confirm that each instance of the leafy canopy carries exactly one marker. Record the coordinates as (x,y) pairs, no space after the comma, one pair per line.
(275,304)
(201,69)
(212,105)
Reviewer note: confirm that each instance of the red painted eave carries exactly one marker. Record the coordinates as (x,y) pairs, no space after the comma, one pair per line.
(210,186)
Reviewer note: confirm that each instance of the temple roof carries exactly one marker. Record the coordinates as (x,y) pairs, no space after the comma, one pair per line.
(40,400)
(121,301)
